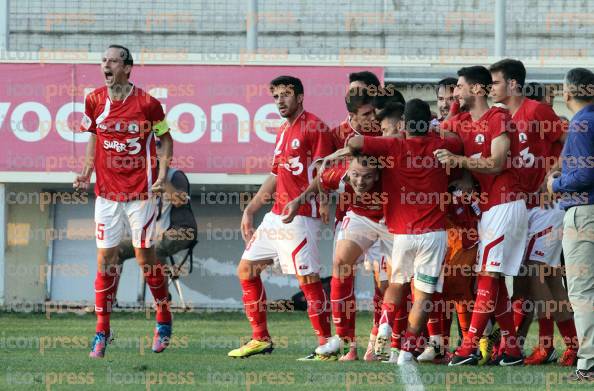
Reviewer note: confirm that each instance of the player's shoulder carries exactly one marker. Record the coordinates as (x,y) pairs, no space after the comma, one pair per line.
(97,95)
(497,112)
(144,97)
(313,122)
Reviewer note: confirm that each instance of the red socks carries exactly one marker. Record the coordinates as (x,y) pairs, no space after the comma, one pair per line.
(254,302)
(546,328)
(434,323)
(378,300)
(567,330)
(105,288)
(318,310)
(505,318)
(519,314)
(157,283)
(486,295)
(400,321)
(409,342)
(342,297)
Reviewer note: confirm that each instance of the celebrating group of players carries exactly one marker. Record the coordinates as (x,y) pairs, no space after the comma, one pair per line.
(441,208)
(421,200)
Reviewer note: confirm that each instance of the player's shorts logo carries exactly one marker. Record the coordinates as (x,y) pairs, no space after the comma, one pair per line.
(295,143)
(479,139)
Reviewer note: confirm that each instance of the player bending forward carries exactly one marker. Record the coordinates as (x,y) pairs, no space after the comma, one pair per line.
(123,121)
(301,141)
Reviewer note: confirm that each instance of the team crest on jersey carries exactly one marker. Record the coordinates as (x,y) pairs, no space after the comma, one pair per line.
(479,139)
(523,137)
(133,127)
(295,143)
(86,122)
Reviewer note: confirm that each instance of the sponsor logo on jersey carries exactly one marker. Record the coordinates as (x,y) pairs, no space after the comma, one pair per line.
(86,122)
(115,145)
(479,139)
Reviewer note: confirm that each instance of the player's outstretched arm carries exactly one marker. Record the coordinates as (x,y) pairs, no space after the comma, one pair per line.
(263,196)
(82,181)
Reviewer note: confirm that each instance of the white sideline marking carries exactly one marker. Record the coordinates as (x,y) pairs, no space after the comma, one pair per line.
(410,377)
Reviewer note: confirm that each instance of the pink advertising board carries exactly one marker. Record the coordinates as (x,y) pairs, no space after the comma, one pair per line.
(223,119)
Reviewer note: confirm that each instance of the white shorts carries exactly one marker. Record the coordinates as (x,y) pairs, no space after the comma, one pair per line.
(420,256)
(294,244)
(545,231)
(503,230)
(110,222)
(373,238)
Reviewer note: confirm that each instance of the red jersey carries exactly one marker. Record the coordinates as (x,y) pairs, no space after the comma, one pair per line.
(340,135)
(537,129)
(368,205)
(298,147)
(414,180)
(477,137)
(125,156)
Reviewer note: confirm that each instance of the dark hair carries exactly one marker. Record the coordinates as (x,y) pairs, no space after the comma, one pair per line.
(580,82)
(417,117)
(357,97)
(290,82)
(535,91)
(393,110)
(369,78)
(511,69)
(448,82)
(387,95)
(477,74)
(126,55)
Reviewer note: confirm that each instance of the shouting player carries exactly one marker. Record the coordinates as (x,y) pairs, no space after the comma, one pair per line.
(301,141)
(488,139)
(123,121)
(538,129)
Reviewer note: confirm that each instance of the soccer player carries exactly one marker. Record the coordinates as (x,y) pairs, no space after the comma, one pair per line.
(445,96)
(538,129)
(503,225)
(123,121)
(438,319)
(416,183)
(361,120)
(357,182)
(301,142)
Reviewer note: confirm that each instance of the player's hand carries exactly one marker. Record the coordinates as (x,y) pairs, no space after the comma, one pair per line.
(290,211)
(551,179)
(159,186)
(444,156)
(324,211)
(247,226)
(81,183)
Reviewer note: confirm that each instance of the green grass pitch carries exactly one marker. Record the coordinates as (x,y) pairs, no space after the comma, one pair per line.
(52,354)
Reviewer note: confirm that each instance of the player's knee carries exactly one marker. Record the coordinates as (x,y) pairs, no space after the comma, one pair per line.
(246,270)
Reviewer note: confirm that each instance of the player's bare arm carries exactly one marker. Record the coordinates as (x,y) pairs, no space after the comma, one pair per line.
(164,161)
(263,196)
(491,165)
(82,181)
(290,210)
